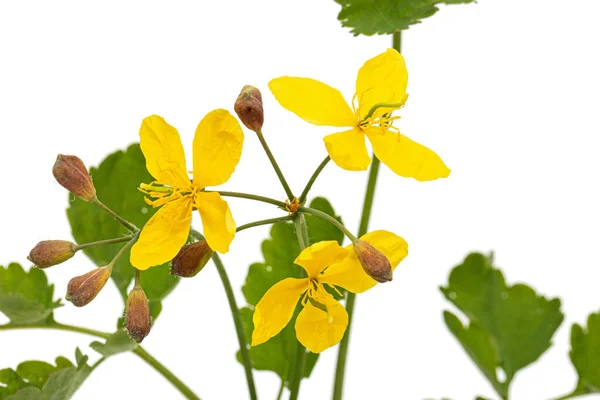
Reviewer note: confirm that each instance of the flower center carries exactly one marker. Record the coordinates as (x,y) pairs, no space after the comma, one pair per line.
(160,194)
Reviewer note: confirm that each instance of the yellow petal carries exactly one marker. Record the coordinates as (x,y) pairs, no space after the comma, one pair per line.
(161,145)
(217,222)
(348,150)
(382,79)
(319,256)
(349,273)
(275,309)
(313,101)
(217,148)
(406,157)
(318,329)
(163,235)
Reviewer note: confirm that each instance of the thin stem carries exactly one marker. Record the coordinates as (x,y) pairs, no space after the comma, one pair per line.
(248,196)
(131,227)
(284,183)
(338,387)
(280,392)
(237,318)
(122,251)
(312,179)
(300,359)
(330,219)
(143,354)
(265,222)
(164,371)
(102,242)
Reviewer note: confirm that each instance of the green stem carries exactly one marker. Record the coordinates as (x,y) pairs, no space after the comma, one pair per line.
(237,318)
(131,227)
(248,196)
(143,354)
(122,251)
(265,222)
(284,183)
(300,359)
(330,219)
(312,179)
(102,242)
(280,392)
(340,370)
(164,371)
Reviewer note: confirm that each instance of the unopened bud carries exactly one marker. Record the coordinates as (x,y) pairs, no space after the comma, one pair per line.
(84,288)
(137,314)
(373,262)
(51,252)
(191,259)
(70,172)
(249,108)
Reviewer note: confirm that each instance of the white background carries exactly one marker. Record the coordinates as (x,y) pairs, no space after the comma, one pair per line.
(507,92)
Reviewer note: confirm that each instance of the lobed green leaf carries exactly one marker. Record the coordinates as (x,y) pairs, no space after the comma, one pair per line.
(510,326)
(370,17)
(26,297)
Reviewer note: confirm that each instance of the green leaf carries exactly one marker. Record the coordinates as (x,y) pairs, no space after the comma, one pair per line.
(370,17)
(38,380)
(118,342)
(585,353)
(116,181)
(279,252)
(26,297)
(510,325)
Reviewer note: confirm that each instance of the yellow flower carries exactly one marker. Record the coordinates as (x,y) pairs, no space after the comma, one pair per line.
(217,148)
(380,89)
(323,320)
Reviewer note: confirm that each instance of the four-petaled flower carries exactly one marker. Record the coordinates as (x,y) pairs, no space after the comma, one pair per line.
(217,149)
(323,320)
(380,89)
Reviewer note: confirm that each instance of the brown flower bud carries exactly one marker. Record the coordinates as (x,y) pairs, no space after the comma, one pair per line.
(373,262)
(51,252)
(84,288)
(191,259)
(249,108)
(137,314)
(70,172)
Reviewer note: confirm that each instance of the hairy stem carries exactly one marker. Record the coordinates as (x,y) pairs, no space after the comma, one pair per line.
(102,242)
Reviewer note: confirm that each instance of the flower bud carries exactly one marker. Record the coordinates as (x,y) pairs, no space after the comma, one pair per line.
(249,108)
(70,172)
(373,262)
(84,288)
(191,259)
(137,314)
(51,252)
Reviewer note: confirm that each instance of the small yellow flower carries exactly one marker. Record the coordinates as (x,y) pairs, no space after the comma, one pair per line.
(380,89)
(217,149)
(323,320)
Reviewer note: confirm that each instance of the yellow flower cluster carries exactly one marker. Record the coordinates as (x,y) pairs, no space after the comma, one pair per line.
(380,90)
